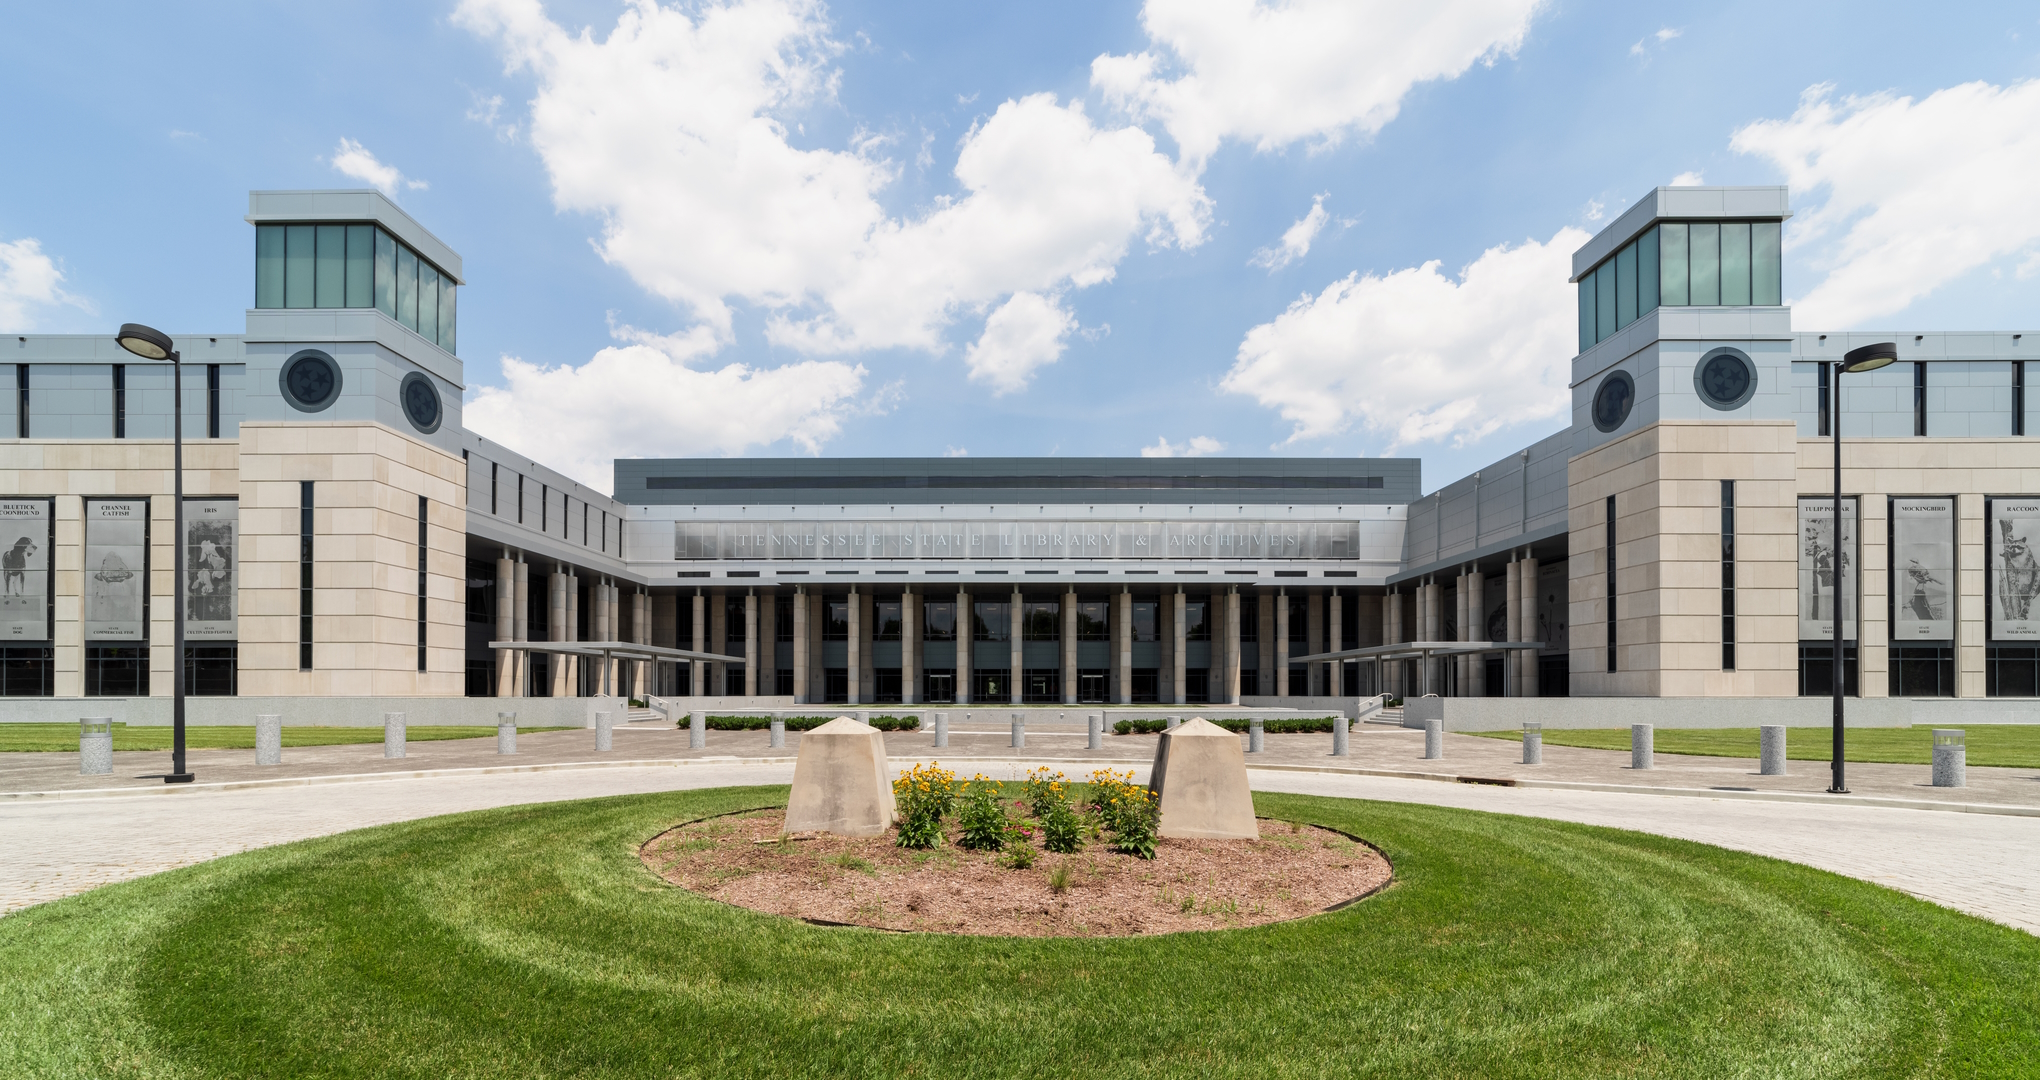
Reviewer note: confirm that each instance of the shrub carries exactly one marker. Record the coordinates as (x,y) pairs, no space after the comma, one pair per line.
(1130,812)
(925,794)
(803,723)
(1062,831)
(979,816)
(1019,847)
(1240,727)
(1043,788)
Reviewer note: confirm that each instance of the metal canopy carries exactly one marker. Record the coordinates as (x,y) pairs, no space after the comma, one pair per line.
(618,650)
(1422,650)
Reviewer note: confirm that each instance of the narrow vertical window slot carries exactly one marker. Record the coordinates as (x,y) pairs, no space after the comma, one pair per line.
(120,401)
(1728,575)
(544,507)
(212,401)
(1920,398)
(423,511)
(21,400)
(2018,397)
(304,653)
(1611,582)
(1823,372)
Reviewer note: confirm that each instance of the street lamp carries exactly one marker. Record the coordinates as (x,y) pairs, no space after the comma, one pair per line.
(152,344)
(1867,358)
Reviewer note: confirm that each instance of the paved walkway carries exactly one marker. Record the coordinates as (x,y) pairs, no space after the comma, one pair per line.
(1985,864)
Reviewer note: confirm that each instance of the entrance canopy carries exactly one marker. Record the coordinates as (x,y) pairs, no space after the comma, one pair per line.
(1424,651)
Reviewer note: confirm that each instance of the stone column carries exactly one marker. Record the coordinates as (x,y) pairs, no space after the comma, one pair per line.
(855,664)
(1122,646)
(1512,620)
(1281,643)
(697,671)
(1069,646)
(1476,630)
(718,642)
(910,647)
(506,626)
(800,645)
(521,629)
(868,677)
(1179,642)
(1335,637)
(750,643)
(1165,669)
(818,671)
(1014,623)
(1232,646)
(1391,634)
(963,643)
(1314,636)
(1526,578)
(1264,636)
(572,664)
(556,626)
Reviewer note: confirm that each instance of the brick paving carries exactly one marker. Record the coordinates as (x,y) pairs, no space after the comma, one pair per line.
(1988,864)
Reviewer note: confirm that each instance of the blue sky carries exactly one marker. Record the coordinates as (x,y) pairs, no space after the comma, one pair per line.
(1100,282)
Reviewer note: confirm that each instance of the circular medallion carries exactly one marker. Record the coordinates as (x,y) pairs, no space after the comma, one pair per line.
(1725,378)
(1613,400)
(310,380)
(421,402)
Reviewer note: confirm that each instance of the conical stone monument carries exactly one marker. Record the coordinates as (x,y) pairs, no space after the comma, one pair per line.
(1200,775)
(839,781)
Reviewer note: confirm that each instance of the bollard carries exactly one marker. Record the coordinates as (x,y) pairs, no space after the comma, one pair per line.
(1640,746)
(1533,743)
(268,739)
(1170,721)
(778,732)
(1771,750)
(605,729)
(506,733)
(393,734)
(95,745)
(942,729)
(697,730)
(1434,739)
(1339,733)
(1019,730)
(1254,735)
(1097,725)
(1951,757)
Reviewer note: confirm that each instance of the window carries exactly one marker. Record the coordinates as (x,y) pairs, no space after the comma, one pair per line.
(424,512)
(733,621)
(116,671)
(353,265)
(120,401)
(27,671)
(1728,575)
(1147,686)
(836,623)
(782,621)
(495,472)
(992,622)
(1041,622)
(304,654)
(1822,373)
(1682,264)
(1144,622)
(520,498)
(938,621)
(21,400)
(1094,620)
(1040,686)
(1919,398)
(886,620)
(544,507)
(2018,397)
(1250,619)
(1610,554)
(481,596)
(1299,620)
(212,401)
(210,670)
(1196,626)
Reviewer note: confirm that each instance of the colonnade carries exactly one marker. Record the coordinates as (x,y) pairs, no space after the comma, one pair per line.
(1416,612)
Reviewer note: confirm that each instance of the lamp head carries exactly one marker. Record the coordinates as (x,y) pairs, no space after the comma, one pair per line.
(1869,357)
(145,341)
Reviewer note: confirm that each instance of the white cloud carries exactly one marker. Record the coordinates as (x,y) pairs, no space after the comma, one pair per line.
(1667,34)
(29,280)
(1918,193)
(1419,356)
(674,129)
(1595,210)
(956,451)
(1295,242)
(352,159)
(1025,333)
(1689,179)
(1275,74)
(642,399)
(1661,37)
(1198,446)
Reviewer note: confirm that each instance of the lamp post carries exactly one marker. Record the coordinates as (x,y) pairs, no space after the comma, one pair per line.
(1867,358)
(152,344)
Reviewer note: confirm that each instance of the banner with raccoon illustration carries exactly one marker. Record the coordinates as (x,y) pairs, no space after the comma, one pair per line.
(1827,569)
(2014,570)
(116,569)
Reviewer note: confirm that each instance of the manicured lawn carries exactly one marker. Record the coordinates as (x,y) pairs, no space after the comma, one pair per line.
(531,942)
(2011,745)
(225,737)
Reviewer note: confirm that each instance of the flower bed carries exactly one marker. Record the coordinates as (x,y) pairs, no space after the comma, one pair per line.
(1271,727)
(805,723)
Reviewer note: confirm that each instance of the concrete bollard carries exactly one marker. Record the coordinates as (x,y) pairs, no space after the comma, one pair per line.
(506,733)
(1171,721)
(1641,747)
(605,730)
(1254,735)
(268,739)
(95,745)
(1096,722)
(1533,744)
(1951,757)
(1339,736)
(1019,730)
(778,727)
(393,734)
(697,730)
(1771,750)
(942,729)
(1434,739)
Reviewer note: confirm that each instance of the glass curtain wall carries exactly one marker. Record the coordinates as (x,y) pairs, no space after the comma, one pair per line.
(353,266)
(1682,264)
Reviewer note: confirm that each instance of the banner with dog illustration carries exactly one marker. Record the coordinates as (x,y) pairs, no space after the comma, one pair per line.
(2014,571)
(212,533)
(1827,569)
(116,569)
(24,569)
(1922,570)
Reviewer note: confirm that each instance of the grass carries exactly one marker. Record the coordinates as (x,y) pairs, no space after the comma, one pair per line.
(55,737)
(2011,745)
(531,942)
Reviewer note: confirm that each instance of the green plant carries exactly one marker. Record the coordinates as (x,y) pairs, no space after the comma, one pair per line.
(638,703)
(1130,812)
(1059,878)
(1062,831)
(1019,847)
(849,862)
(804,723)
(1043,788)
(979,817)
(923,795)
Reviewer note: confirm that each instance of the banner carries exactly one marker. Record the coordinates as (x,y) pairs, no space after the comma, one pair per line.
(212,533)
(1247,540)
(2014,571)
(116,569)
(24,569)
(1922,570)
(1819,565)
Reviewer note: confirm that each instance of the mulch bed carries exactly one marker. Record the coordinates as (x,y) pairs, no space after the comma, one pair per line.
(1292,871)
